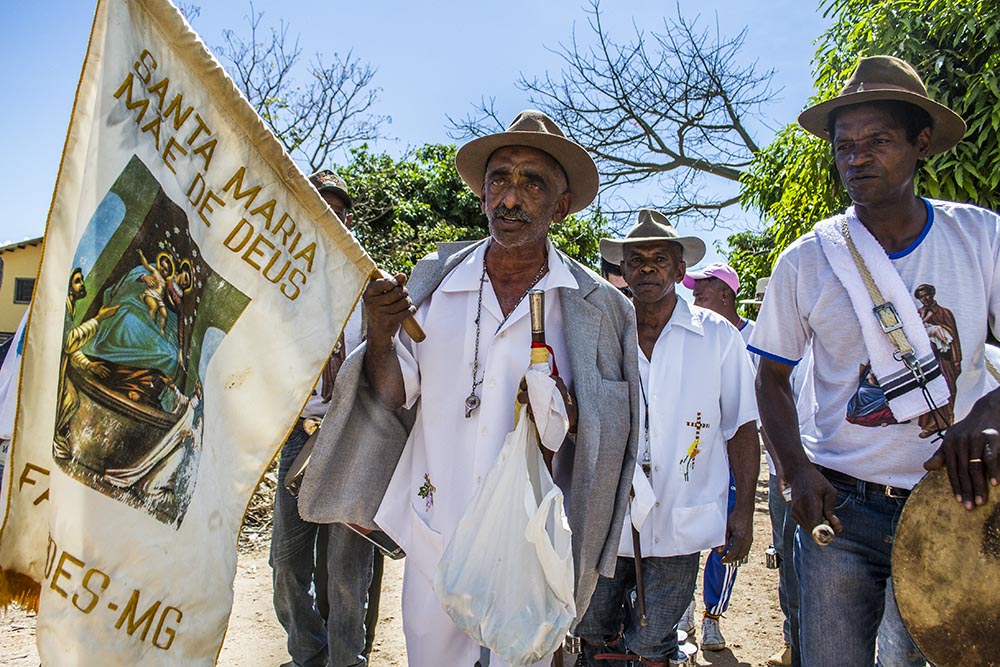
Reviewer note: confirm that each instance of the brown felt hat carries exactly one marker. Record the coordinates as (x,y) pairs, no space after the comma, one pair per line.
(653,226)
(533,129)
(879,78)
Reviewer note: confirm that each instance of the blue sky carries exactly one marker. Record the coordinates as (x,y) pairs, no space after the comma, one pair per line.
(434,59)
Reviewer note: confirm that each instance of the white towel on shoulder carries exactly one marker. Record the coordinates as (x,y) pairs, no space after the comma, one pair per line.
(901,389)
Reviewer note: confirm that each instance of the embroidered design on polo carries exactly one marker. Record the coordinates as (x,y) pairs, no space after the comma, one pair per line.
(687,463)
(426,491)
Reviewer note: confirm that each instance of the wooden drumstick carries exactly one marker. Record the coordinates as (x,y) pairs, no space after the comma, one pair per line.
(410,324)
(823,534)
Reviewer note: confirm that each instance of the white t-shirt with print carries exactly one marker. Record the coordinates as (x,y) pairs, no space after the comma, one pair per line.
(957,254)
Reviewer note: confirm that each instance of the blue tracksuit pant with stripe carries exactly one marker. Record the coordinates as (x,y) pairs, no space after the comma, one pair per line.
(719,579)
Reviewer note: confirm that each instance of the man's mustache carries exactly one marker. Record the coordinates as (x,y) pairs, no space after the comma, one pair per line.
(517,213)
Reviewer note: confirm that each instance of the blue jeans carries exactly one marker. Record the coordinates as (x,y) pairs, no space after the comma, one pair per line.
(783,539)
(669,585)
(314,640)
(843,586)
(895,646)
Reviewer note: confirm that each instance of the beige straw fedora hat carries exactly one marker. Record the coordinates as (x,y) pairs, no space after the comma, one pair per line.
(653,226)
(536,130)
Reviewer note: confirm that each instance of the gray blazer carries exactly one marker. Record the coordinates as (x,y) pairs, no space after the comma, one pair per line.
(361,441)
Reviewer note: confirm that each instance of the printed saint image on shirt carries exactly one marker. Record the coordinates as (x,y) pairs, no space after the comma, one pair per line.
(144,314)
(868,406)
(943,332)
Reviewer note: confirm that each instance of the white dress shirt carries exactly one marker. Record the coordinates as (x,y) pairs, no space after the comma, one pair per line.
(448,455)
(699,385)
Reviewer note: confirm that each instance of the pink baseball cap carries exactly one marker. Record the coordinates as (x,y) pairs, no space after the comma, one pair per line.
(719,270)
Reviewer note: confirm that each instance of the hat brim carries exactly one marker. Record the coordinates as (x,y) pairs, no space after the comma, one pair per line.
(612,250)
(949,128)
(340,192)
(581,172)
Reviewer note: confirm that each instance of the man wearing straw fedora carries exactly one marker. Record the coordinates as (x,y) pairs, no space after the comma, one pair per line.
(698,420)
(849,288)
(414,428)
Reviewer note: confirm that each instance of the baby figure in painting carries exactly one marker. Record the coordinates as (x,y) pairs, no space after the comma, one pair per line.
(156,283)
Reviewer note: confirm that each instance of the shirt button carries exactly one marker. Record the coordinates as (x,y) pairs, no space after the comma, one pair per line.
(484,431)
(657,503)
(493,383)
(656,540)
(657,468)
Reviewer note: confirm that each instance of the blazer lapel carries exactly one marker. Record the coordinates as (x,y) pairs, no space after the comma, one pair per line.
(428,273)
(582,318)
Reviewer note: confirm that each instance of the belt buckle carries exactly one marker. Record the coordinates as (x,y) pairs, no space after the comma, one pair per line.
(888,318)
(895,493)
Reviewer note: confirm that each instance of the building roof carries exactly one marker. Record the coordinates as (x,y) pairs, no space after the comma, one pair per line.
(20,245)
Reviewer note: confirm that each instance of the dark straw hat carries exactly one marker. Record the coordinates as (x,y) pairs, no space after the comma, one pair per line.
(536,130)
(653,226)
(879,78)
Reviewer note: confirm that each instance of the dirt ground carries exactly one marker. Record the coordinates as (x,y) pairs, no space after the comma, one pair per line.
(255,639)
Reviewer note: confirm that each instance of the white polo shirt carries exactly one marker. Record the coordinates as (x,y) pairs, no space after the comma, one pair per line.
(699,385)
(447,456)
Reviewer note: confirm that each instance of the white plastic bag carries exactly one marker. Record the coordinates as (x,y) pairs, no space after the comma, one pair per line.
(506,576)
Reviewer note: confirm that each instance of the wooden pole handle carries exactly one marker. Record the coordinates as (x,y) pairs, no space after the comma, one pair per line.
(410,324)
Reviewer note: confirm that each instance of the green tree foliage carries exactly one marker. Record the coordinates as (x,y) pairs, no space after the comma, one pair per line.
(403,207)
(750,251)
(792,182)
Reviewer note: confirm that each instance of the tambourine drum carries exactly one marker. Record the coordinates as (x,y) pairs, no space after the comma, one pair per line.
(946,573)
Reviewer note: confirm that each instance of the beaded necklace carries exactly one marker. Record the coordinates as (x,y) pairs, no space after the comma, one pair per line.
(473,401)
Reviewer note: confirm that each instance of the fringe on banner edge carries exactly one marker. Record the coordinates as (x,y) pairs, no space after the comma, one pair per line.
(18,589)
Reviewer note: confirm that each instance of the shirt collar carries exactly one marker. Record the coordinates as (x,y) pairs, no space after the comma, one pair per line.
(686,317)
(465,277)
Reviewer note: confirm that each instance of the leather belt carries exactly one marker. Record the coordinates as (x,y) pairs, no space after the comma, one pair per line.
(870,488)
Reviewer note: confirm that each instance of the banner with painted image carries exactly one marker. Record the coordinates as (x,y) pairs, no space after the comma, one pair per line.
(192,285)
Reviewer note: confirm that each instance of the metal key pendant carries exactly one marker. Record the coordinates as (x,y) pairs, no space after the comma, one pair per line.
(471,403)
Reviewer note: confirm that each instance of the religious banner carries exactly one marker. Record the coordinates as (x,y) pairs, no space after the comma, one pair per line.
(191,287)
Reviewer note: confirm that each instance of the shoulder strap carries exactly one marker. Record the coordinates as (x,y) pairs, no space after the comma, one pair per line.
(991,368)
(884,310)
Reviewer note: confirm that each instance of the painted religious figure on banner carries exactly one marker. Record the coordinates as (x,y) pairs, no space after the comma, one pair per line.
(137,340)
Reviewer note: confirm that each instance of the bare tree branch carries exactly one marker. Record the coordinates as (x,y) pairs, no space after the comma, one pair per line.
(669,107)
(486,120)
(333,111)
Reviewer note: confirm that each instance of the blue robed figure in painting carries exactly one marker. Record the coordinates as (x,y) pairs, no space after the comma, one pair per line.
(131,337)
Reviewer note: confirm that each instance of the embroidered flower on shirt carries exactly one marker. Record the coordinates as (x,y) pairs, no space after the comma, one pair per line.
(687,463)
(427,492)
